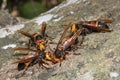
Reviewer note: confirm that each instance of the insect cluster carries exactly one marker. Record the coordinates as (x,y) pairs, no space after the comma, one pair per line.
(39,42)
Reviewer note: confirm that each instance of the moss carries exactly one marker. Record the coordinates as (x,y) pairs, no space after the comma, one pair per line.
(29,11)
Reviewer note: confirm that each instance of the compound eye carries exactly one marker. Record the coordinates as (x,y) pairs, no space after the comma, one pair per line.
(38,37)
(21,66)
(104,25)
(58,53)
(80,25)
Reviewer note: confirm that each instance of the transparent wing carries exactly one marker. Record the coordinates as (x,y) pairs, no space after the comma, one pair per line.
(25,33)
(63,35)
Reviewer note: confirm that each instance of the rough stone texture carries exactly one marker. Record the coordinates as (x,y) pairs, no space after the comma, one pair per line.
(7,19)
(99,57)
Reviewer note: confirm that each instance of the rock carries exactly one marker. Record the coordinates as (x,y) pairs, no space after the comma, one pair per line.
(7,19)
(99,55)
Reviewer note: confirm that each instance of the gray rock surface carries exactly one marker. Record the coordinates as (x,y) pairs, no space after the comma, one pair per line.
(99,58)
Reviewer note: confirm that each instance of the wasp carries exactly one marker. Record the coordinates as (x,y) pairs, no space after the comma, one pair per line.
(30,59)
(100,25)
(63,45)
(37,40)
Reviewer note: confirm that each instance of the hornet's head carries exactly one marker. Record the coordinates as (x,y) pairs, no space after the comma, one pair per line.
(59,52)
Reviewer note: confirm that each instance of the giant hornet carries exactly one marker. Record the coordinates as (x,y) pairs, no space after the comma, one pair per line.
(30,59)
(99,25)
(37,40)
(63,45)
